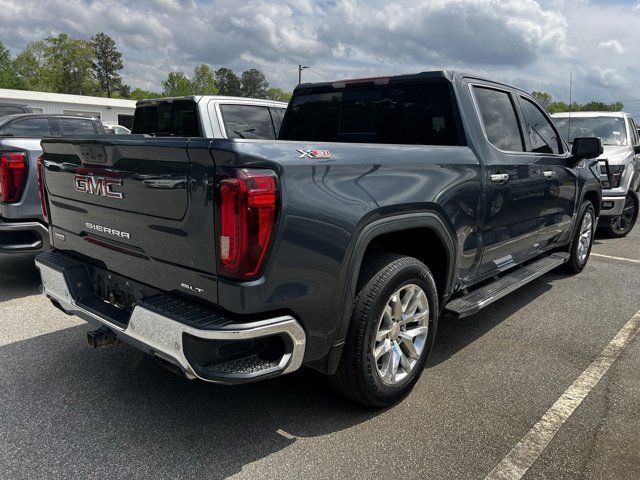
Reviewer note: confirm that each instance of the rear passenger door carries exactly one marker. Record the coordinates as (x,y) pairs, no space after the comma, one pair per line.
(247,121)
(513,180)
(559,181)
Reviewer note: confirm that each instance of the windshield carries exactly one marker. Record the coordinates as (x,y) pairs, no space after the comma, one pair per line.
(419,113)
(611,130)
(167,119)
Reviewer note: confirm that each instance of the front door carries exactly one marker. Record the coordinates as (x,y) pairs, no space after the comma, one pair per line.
(514,184)
(559,181)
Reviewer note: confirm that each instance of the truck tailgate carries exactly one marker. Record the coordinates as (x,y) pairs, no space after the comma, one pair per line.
(137,207)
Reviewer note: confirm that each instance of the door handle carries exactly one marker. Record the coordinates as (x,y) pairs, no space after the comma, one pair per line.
(500,177)
(549,174)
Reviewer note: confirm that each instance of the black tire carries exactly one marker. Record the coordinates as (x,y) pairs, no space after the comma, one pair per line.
(358,376)
(576,264)
(618,227)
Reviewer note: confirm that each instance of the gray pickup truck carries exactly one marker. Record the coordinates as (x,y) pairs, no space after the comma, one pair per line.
(384,203)
(22,226)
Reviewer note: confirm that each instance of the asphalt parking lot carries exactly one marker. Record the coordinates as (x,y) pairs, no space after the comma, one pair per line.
(68,411)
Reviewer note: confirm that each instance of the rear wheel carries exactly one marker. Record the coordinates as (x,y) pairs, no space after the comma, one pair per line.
(622,225)
(391,332)
(582,239)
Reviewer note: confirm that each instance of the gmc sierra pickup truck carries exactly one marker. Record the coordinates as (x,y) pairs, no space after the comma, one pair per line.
(384,203)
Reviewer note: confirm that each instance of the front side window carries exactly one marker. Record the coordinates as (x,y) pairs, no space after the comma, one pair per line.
(611,130)
(542,135)
(499,119)
(247,121)
(77,126)
(30,127)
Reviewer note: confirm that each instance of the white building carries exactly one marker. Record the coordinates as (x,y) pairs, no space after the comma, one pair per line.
(110,110)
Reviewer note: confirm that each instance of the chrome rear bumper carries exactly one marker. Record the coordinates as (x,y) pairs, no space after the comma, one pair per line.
(152,328)
(37,241)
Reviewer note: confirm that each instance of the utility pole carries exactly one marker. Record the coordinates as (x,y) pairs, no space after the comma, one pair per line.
(300,68)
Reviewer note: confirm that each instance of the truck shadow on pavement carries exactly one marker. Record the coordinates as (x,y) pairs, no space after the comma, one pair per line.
(19,277)
(455,334)
(74,412)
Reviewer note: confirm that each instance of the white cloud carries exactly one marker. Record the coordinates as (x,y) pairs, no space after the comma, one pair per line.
(613,46)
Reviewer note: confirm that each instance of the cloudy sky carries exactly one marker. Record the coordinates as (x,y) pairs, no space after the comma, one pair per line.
(532,44)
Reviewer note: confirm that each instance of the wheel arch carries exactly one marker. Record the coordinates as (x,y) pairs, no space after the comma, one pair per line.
(379,233)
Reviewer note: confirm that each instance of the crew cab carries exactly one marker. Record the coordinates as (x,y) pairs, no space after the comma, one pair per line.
(619,164)
(22,227)
(210,116)
(385,203)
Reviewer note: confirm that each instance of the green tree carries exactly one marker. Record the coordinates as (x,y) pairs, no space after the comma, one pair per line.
(254,84)
(70,61)
(6,77)
(544,98)
(140,94)
(30,69)
(278,94)
(228,82)
(203,81)
(177,85)
(107,63)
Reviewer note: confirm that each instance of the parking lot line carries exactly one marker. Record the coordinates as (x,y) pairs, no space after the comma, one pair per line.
(527,451)
(615,258)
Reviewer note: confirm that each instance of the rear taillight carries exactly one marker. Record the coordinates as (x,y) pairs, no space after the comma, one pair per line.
(42,191)
(247,212)
(13,172)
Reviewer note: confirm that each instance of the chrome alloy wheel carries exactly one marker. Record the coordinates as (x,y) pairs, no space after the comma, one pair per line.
(401,334)
(586,236)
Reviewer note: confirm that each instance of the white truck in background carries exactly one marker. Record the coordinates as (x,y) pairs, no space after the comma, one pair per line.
(209,116)
(619,164)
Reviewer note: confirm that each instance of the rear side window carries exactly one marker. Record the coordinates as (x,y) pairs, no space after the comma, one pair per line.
(418,113)
(247,121)
(499,119)
(542,135)
(77,126)
(29,127)
(174,119)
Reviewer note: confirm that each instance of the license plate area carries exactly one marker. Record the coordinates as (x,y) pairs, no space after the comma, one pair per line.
(114,296)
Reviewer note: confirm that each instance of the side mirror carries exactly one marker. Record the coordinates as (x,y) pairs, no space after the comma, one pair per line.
(586,147)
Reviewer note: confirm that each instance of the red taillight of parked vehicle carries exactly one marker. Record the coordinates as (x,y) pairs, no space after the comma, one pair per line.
(13,173)
(247,213)
(41,191)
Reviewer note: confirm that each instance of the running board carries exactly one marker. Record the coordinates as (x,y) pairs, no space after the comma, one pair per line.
(476,300)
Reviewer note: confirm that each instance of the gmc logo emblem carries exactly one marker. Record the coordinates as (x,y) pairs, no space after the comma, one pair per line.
(100,186)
